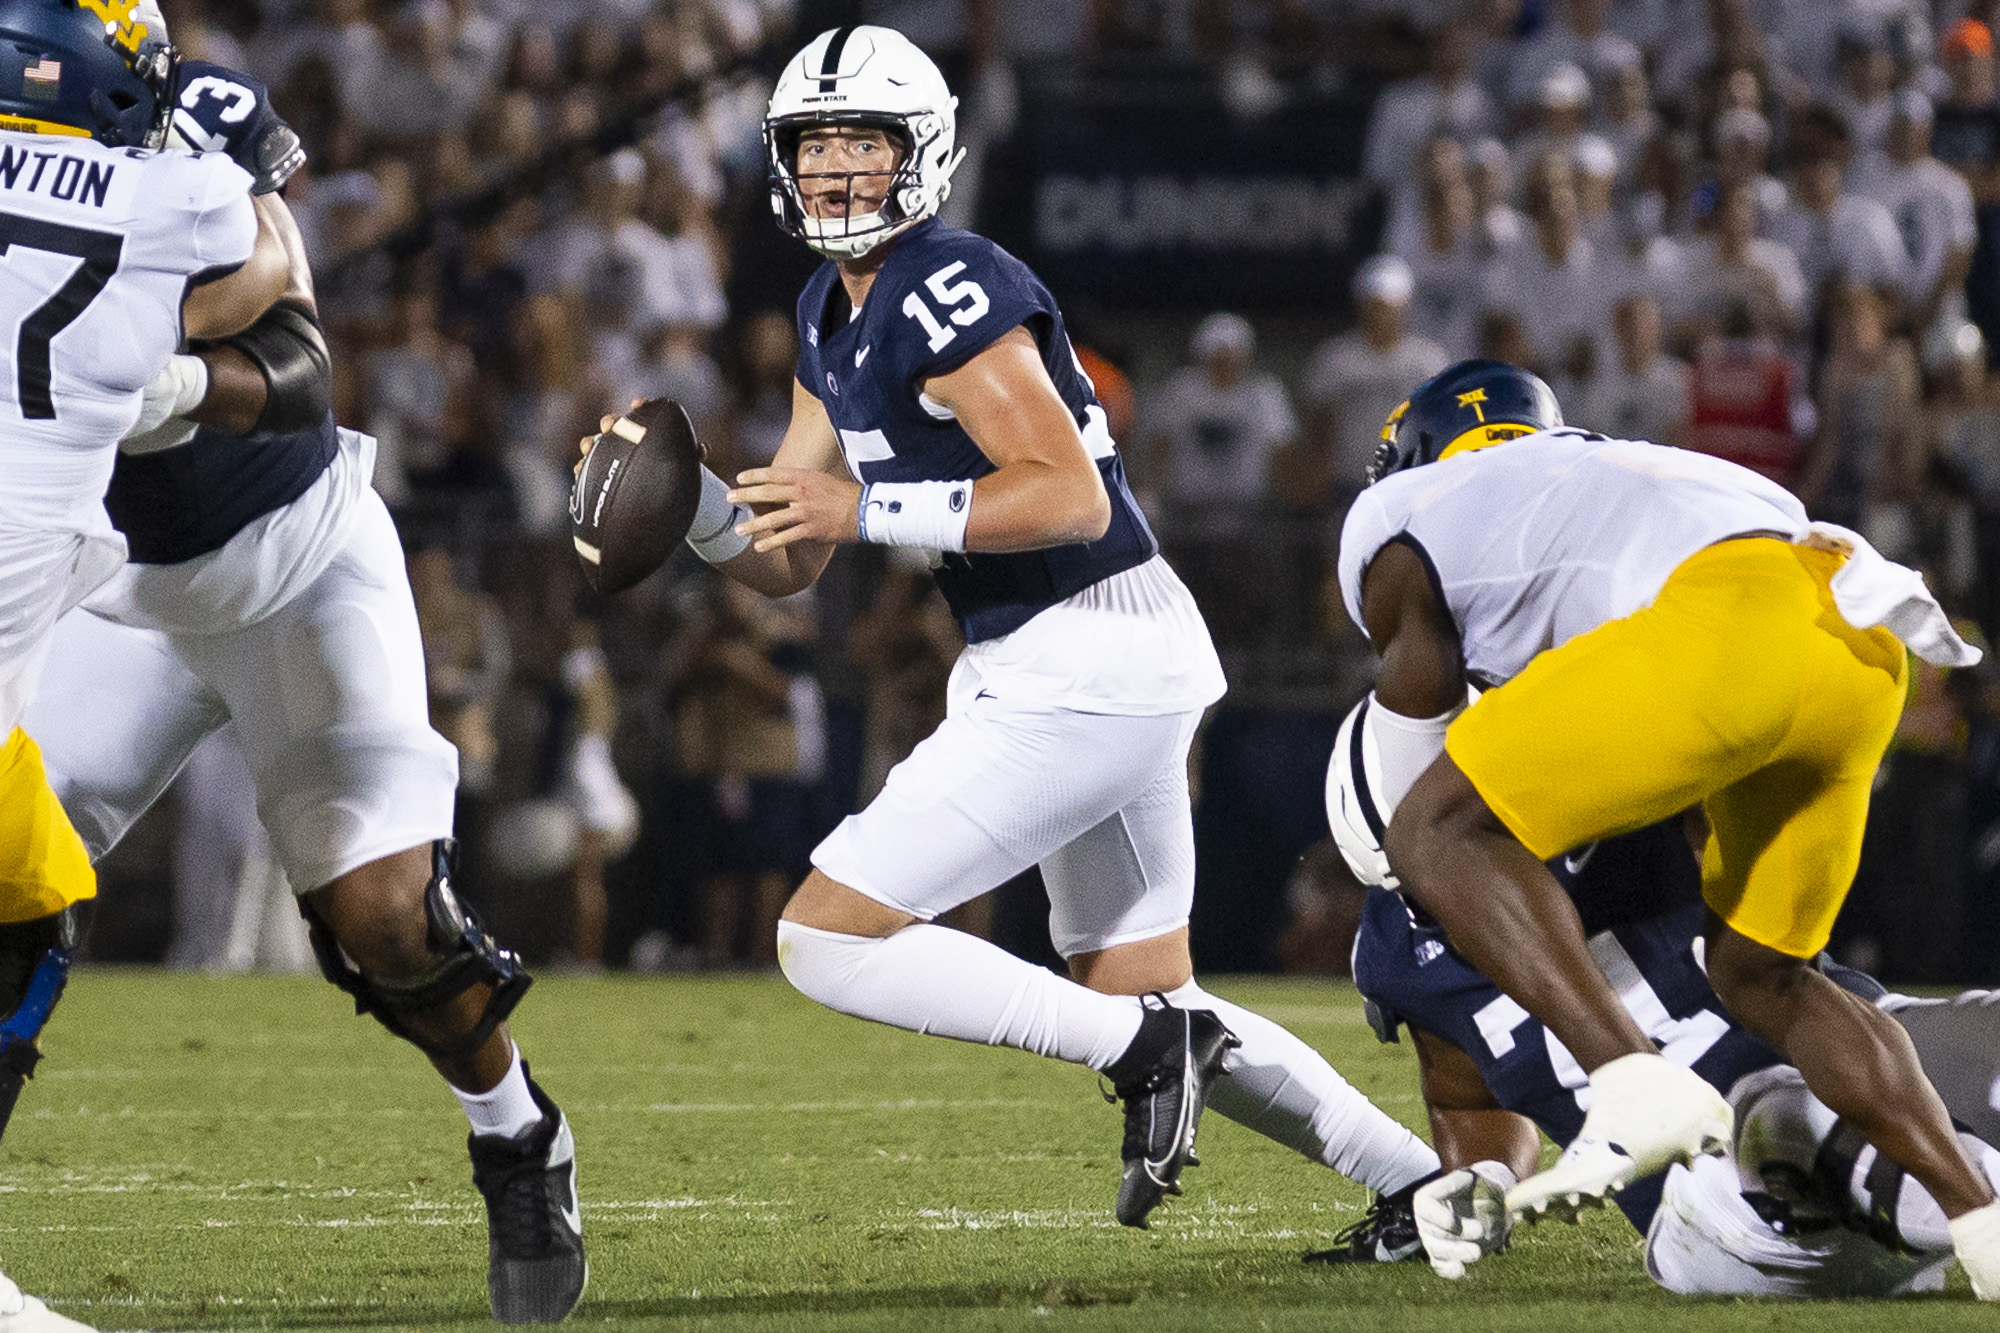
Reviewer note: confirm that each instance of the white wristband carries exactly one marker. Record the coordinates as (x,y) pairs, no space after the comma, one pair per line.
(713,533)
(930,514)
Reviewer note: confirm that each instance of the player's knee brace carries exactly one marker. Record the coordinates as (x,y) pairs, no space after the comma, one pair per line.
(463,956)
(34,965)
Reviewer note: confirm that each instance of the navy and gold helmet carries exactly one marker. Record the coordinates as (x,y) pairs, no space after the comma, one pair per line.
(1463,407)
(90,68)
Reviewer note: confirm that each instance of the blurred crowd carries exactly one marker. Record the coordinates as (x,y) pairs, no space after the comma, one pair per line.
(1765,229)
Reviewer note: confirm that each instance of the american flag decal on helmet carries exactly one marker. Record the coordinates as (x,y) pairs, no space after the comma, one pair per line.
(42,80)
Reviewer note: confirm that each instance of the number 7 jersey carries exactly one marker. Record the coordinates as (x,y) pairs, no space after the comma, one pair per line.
(98,247)
(942,297)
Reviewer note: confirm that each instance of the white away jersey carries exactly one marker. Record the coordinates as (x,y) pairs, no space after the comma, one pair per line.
(1540,539)
(96,248)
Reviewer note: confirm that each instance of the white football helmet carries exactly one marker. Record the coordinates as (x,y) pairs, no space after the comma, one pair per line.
(1352,779)
(875,78)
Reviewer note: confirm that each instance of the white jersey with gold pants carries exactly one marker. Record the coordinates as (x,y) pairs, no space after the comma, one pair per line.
(97,249)
(1645,661)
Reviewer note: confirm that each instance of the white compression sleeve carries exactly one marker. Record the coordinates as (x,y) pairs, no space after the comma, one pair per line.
(944,982)
(1406,746)
(1286,1091)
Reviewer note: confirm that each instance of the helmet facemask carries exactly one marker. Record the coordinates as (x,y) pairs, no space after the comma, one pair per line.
(853,234)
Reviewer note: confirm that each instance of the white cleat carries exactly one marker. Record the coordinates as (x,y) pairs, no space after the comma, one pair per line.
(1647,1113)
(21,1313)
(1975,1239)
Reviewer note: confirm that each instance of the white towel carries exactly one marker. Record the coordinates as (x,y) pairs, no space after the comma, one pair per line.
(1872,590)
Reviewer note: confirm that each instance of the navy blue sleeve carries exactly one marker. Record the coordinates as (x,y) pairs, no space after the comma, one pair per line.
(811,302)
(224,111)
(964,297)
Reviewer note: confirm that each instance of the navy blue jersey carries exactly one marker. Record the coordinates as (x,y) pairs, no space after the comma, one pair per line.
(179,503)
(940,298)
(1409,973)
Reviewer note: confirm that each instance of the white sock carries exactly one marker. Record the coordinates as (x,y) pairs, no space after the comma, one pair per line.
(1286,1091)
(505,1109)
(944,982)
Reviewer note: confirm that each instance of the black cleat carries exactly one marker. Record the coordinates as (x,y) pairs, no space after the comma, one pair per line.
(535,1228)
(1386,1233)
(1163,1080)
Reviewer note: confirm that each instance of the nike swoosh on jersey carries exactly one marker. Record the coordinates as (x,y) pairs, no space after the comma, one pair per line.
(862,355)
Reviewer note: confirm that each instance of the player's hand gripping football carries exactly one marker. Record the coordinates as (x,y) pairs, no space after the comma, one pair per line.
(1462,1216)
(797,504)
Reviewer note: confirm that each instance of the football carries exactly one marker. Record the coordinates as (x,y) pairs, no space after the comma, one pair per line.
(635,495)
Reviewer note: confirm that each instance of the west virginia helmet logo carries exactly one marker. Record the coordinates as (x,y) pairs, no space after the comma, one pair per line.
(1389,426)
(121,22)
(1473,399)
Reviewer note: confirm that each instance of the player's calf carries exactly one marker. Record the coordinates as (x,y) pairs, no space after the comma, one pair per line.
(428,971)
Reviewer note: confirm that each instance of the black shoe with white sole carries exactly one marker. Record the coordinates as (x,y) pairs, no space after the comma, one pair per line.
(1386,1233)
(1163,1080)
(534,1226)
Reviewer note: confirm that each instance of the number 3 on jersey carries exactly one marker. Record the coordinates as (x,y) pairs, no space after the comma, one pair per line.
(949,295)
(100,252)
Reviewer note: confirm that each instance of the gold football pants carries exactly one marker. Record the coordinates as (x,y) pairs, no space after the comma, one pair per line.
(1740,687)
(43,865)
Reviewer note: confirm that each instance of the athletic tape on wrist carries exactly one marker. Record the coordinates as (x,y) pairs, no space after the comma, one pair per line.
(713,533)
(930,514)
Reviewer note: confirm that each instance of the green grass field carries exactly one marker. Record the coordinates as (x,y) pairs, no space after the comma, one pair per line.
(243,1153)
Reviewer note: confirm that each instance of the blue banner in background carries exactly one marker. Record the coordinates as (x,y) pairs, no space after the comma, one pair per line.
(1124,194)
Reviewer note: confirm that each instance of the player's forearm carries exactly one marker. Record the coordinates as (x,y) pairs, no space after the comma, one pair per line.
(781,572)
(1028,506)
(236,393)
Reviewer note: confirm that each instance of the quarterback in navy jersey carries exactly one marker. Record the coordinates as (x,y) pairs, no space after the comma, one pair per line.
(266,588)
(938,405)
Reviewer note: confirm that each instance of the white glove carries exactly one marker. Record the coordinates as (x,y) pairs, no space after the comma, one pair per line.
(174,392)
(1462,1216)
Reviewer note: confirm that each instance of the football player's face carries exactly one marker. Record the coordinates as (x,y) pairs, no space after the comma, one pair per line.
(845,171)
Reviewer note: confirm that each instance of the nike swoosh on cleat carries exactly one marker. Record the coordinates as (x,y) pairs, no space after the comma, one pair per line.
(573,1211)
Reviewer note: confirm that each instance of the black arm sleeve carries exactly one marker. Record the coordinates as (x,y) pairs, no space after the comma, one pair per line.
(288,347)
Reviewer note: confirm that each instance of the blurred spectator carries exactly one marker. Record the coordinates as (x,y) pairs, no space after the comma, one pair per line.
(1867,76)
(1866,457)
(1561,112)
(673,278)
(1553,284)
(1742,148)
(1733,264)
(769,359)
(674,363)
(907,642)
(466,659)
(1355,379)
(752,722)
(1445,101)
(1932,206)
(1966,136)
(1595,169)
(1962,418)
(1629,120)
(607,816)
(1113,388)
(1644,394)
(1217,424)
(1745,405)
(1576,37)
(417,393)
(1831,232)
(1498,227)
(1443,253)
